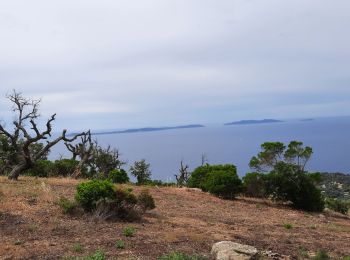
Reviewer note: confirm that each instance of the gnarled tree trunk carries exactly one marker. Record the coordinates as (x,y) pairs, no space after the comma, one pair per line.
(17,170)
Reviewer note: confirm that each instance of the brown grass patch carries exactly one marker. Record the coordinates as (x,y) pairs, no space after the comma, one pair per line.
(32,226)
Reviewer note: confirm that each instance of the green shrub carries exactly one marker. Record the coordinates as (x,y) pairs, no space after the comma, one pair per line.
(337,205)
(66,205)
(321,255)
(98,255)
(287,183)
(221,183)
(181,256)
(120,244)
(129,231)
(146,201)
(199,174)
(89,193)
(254,185)
(118,176)
(123,206)
(65,167)
(78,248)
(105,203)
(41,168)
(287,226)
(303,252)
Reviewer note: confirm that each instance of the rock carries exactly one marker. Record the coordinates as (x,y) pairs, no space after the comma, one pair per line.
(194,190)
(227,250)
(273,256)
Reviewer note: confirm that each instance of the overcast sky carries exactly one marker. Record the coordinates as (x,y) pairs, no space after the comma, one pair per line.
(117,64)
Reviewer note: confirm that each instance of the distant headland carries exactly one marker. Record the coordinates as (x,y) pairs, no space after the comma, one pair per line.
(148,129)
(253,122)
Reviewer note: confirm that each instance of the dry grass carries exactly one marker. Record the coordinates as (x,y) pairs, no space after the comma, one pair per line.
(32,226)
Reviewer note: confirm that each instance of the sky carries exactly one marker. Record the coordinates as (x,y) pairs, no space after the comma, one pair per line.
(110,64)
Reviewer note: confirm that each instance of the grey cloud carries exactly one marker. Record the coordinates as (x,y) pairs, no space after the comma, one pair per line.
(118,64)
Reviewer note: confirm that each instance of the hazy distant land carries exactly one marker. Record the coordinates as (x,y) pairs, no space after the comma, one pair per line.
(148,129)
(253,122)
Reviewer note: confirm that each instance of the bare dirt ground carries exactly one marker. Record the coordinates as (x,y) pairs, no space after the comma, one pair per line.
(32,225)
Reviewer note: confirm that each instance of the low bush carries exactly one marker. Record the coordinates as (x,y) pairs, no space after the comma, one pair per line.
(129,231)
(254,185)
(303,252)
(106,203)
(181,256)
(120,244)
(321,255)
(222,183)
(287,183)
(66,205)
(118,176)
(78,248)
(98,255)
(65,167)
(337,205)
(146,201)
(89,193)
(123,206)
(198,176)
(41,168)
(287,226)
(221,180)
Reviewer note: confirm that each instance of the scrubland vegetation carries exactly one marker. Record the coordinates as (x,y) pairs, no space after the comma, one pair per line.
(277,206)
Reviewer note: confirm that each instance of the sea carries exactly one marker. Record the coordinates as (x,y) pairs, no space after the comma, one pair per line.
(232,144)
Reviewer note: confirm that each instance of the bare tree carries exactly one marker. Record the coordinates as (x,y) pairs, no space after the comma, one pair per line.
(184,174)
(204,159)
(26,134)
(84,149)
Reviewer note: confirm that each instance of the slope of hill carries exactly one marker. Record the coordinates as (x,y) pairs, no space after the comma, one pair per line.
(336,185)
(32,226)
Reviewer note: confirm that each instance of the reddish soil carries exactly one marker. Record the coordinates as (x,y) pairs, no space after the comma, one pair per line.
(32,225)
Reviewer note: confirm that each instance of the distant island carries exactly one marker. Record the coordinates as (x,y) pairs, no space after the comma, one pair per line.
(148,129)
(253,122)
(307,119)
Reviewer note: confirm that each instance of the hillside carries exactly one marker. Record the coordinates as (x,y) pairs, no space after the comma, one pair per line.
(254,122)
(149,129)
(32,226)
(336,185)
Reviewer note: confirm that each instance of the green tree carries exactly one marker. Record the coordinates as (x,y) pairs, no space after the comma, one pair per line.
(141,170)
(287,179)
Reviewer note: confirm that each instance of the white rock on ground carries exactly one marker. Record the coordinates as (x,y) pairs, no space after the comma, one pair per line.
(227,250)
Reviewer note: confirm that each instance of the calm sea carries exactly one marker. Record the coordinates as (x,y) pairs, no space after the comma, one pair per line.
(330,139)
